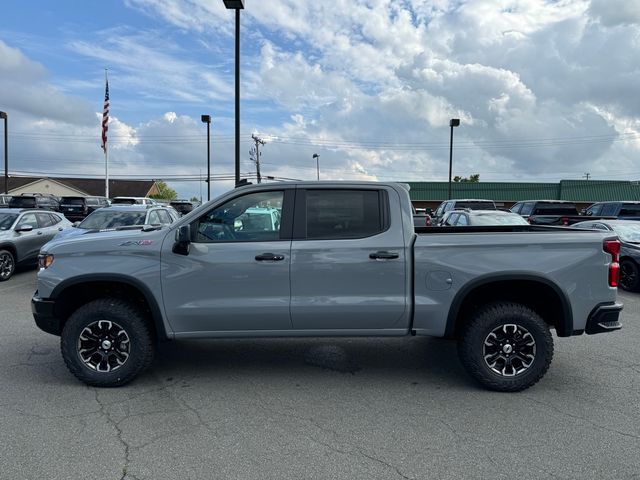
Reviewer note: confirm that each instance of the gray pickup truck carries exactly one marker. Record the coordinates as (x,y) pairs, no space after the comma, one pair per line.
(325,259)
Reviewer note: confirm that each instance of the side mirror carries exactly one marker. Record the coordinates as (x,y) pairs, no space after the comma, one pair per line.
(75,224)
(183,240)
(24,228)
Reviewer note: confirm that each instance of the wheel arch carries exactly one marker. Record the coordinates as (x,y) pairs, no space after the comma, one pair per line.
(538,293)
(70,294)
(12,249)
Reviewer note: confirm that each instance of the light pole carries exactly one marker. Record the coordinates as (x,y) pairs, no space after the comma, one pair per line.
(454,122)
(207,119)
(237,5)
(3,115)
(317,157)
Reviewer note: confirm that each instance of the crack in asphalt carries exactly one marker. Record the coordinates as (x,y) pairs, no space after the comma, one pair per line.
(582,419)
(127,450)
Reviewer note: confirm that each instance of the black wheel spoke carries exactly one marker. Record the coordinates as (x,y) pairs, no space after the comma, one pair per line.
(103,346)
(509,350)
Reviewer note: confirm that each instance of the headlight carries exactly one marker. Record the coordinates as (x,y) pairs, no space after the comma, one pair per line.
(45,260)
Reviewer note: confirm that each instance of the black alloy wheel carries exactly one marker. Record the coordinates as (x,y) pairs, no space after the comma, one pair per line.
(629,275)
(107,342)
(7,265)
(505,346)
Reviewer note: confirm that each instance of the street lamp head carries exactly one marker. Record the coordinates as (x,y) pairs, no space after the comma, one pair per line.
(3,115)
(315,155)
(454,122)
(234,4)
(205,118)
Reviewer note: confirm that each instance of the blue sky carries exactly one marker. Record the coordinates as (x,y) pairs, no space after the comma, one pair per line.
(545,90)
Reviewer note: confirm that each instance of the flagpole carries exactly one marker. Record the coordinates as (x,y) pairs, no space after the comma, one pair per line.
(105,128)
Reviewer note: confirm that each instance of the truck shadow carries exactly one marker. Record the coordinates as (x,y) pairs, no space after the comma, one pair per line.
(413,359)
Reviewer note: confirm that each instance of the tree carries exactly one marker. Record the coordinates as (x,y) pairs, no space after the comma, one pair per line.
(475,178)
(194,199)
(164,192)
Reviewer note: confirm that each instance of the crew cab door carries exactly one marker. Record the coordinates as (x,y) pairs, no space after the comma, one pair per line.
(348,261)
(235,276)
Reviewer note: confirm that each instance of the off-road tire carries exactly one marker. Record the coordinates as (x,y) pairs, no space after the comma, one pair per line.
(7,265)
(492,318)
(126,317)
(629,275)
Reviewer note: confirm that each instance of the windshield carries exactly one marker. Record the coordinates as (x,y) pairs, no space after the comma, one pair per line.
(6,220)
(628,233)
(474,205)
(490,219)
(101,219)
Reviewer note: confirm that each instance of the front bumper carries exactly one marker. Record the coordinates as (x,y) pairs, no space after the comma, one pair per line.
(604,318)
(43,314)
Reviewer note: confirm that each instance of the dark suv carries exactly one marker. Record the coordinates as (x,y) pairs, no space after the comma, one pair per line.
(472,204)
(45,202)
(77,208)
(619,210)
(182,206)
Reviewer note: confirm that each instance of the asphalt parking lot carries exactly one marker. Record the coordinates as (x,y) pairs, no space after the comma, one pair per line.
(315,408)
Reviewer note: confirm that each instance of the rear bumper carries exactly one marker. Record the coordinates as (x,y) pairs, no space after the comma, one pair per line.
(604,318)
(43,314)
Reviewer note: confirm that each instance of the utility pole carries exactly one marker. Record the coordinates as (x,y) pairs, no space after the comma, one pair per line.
(255,152)
(586,175)
(317,157)
(4,116)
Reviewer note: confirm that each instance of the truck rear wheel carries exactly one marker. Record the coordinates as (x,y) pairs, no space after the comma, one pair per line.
(629,275)
(506,347)
(107,343)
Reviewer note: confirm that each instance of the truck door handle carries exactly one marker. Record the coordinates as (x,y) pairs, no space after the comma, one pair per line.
(269,256)
(39,233)
(382,255)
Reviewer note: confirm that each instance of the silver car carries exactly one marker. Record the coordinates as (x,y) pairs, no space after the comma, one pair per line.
(22,233)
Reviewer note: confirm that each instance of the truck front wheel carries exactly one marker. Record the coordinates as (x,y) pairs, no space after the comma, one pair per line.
(506,346)
(107,343)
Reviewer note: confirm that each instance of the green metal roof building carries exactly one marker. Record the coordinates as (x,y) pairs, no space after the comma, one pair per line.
(582,192)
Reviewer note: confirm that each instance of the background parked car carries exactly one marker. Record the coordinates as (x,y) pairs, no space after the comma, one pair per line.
(472,204)
(133,201)
(474,218)
(22,233)
(45,202)
(182,206)
(548,212)
(4,201)
(620,210)
(628,232)
(117,216)
(94,203)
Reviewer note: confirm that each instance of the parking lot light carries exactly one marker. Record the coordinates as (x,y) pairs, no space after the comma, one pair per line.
(454,122)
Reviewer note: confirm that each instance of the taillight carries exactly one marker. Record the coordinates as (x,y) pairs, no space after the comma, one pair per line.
(612,247)
(565,221)
(427,221)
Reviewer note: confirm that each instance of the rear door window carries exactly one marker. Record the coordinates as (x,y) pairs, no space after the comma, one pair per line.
(630,210)
(44,220)
(526,209)
(594,210)
(343,214)
(609,210)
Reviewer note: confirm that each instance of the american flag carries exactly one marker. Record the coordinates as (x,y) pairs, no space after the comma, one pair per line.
(105,117)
